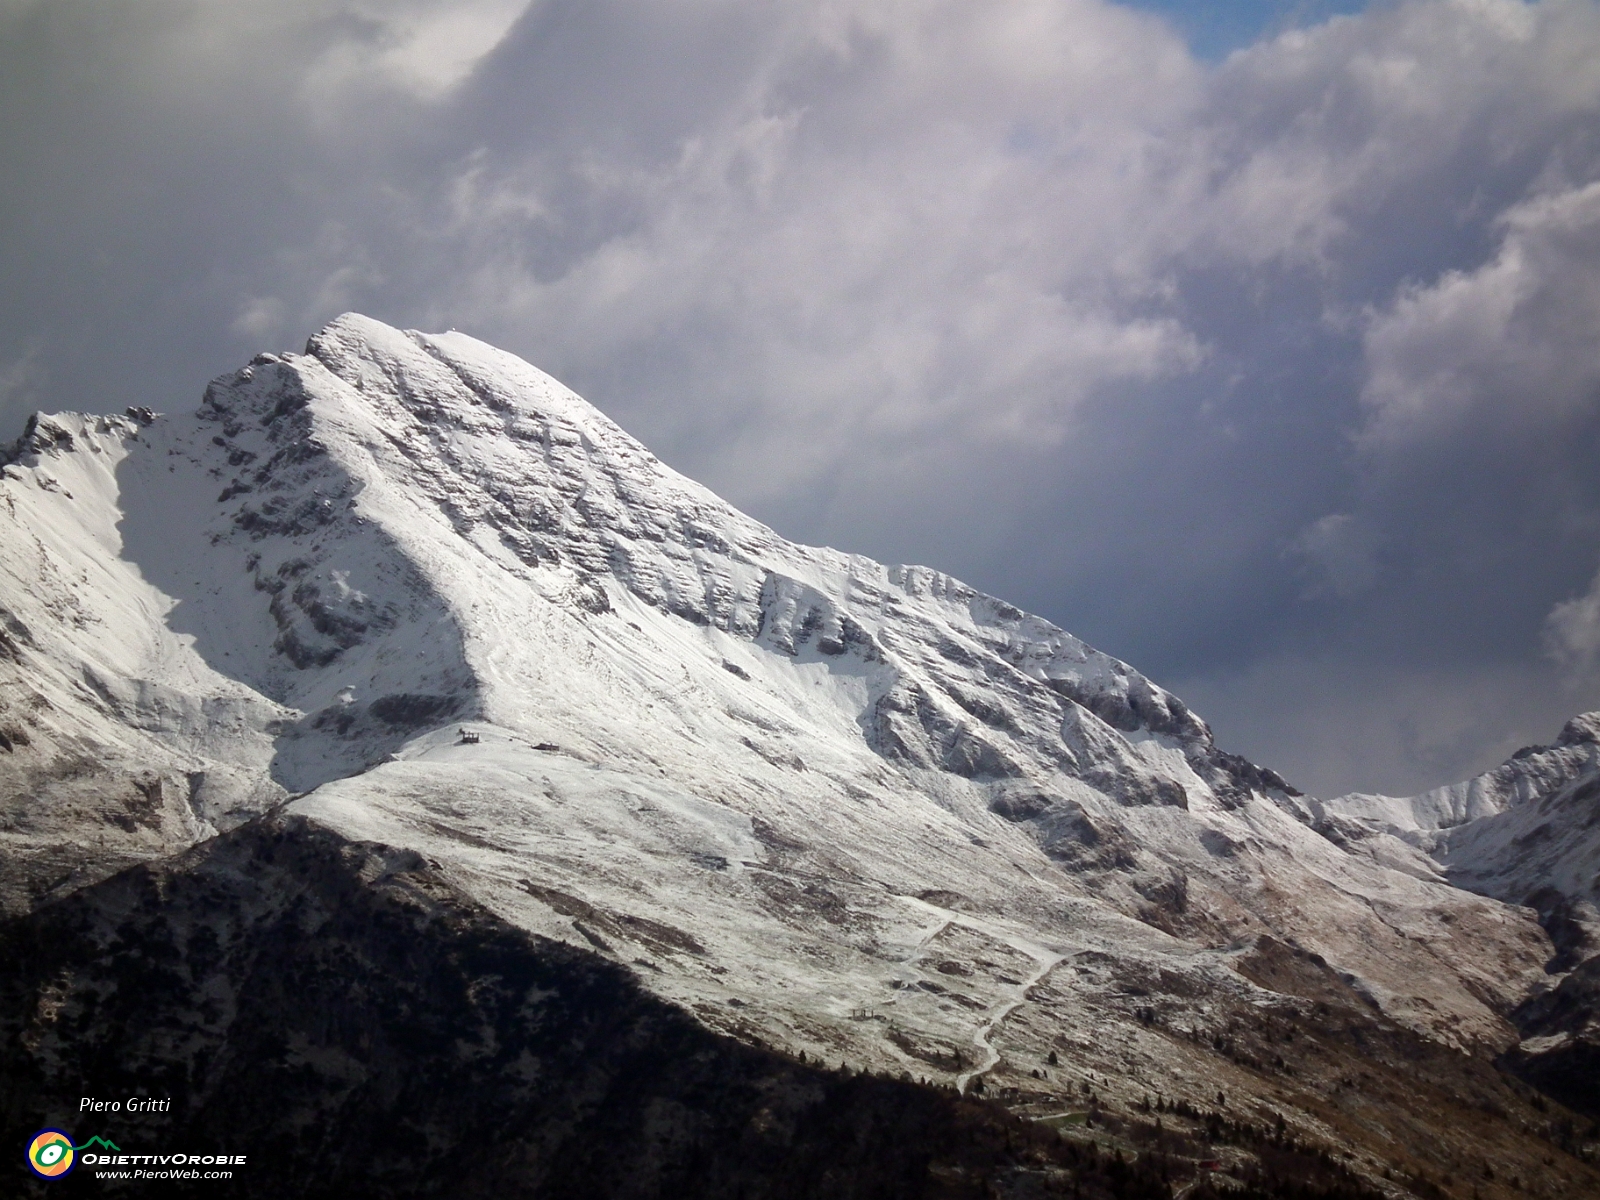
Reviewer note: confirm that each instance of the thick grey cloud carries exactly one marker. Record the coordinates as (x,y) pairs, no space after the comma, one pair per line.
(1276,376)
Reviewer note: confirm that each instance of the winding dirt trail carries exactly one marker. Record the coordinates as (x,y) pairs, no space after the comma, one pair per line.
(1048,961)
(1013,998)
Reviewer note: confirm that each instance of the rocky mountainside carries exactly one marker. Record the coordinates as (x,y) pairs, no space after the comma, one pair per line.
(412,591)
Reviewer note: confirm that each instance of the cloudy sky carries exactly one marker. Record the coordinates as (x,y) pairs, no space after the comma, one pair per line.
(1257,342)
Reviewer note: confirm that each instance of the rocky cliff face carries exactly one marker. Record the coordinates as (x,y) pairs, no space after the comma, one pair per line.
(846,809)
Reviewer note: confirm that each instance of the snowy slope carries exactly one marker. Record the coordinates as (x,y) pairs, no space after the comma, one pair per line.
(856,809)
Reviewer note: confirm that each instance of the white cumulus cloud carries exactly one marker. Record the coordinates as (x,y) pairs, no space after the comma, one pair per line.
(1572,630)
(1515,341)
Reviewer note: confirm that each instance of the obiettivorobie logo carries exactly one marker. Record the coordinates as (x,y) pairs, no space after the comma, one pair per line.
(51,1154)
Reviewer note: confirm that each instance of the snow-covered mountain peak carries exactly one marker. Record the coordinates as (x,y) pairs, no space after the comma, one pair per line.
(507,484)
(410,591)
(795,783)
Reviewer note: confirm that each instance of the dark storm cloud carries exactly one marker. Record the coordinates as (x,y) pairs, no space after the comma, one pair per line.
(1275,376)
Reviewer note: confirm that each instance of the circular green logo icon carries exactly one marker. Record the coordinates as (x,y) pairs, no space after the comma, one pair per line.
(50,1154)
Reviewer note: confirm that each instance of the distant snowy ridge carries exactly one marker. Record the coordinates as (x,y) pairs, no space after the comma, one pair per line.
(1529,774)
(1527,832)
(854,809)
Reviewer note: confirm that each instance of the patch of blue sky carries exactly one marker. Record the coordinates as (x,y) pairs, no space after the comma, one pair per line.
(1215,28)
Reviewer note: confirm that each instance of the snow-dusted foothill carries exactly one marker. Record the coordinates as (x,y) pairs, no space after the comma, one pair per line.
(856,810)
